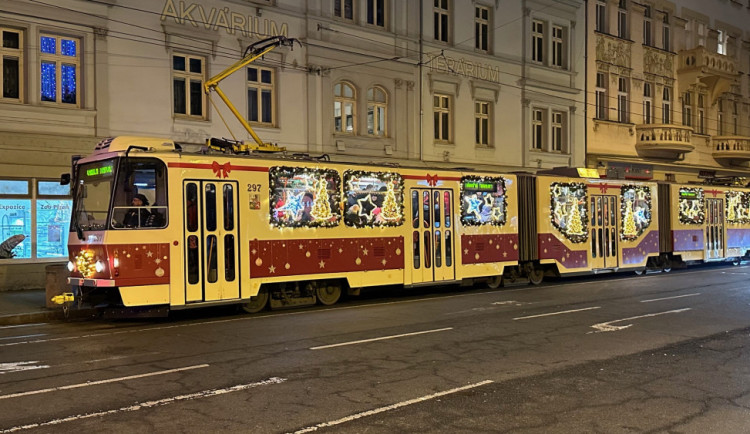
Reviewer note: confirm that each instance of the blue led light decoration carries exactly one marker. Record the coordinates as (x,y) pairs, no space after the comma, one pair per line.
(49,81)
(48,45)
(68,47)
(68,83)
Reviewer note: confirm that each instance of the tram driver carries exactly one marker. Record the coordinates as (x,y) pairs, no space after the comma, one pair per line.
(137,217)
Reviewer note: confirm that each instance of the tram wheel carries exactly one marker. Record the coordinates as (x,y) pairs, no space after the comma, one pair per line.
(495,282)
(257,303)
(536,276)
(641,272)
(328,294)
(736,261)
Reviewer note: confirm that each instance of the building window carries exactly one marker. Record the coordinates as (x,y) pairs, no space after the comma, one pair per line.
(260,95)
(187,84)
(687,110)
(482,123)
(666,33)
(537,129)
(377,104)
(558,47)
(720,120)
(36,221)
(622,99)
(721,46)
(481,28)
(343,9)
(537,41)
(60,66)
(442,111)
(648,103)
(647,25)
(558,131)
(622,20)
(734,118)
(344,105)
(601,17)
(376,12)
(11,53)
(666,105)
(701,114)
(601,95)
(441,14)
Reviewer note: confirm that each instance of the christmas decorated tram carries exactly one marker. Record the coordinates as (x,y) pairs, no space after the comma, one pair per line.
(156,228)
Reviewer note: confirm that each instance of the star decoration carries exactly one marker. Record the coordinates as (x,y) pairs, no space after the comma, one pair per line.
(322,264)
(271,269)
(474,204)
(364,252)
(149,253)
(366,205)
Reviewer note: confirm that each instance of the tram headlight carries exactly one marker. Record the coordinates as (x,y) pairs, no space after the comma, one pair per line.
(99,266)
(71,266)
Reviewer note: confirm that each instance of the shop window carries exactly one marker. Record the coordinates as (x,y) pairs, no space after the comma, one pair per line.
(373,199)
(304,197)
(483,200)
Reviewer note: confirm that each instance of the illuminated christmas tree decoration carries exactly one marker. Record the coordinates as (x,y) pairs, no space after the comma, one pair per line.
(373,199)
(568,210)
(304,197)
(635,211)
(691,206)
(628,227)
(321,209)
(738,207)
(85,263)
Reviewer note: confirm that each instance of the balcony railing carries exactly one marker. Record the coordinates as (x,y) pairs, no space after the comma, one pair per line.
(731,149)
(717,71)
(663,141)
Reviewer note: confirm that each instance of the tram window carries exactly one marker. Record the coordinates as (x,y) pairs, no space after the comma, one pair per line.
(228,191)
(229,271)
(192,259)
(191,207)
(373,199)
(438,250)
(146,177)
(426,208)
(612,211)
(417,257)
(305,197)
(613,241)
(599,211)
(448,249)
(210,206)
(599,242)
(436,208)
(427,249)
(415,209)
(211,257)
(593,243)
(447,208)
(482,201)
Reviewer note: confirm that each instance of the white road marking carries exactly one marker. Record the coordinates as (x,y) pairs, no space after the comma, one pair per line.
(608,327)
(22,337)
(96,383)
(390,407)
(7,368)
(670,298)
(148,404)
(382,338)
(557,313)
(22,325)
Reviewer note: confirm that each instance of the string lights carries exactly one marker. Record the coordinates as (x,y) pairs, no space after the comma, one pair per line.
(568,210)
(691,208)
(304,197)
(373,199)
(483,200)
(635,211)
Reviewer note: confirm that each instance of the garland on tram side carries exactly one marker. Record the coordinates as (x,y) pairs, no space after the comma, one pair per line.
(569,219)
(635,211)
(472,205)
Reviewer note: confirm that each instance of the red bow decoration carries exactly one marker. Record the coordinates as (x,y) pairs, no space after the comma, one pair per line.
(432,180)
(221,170)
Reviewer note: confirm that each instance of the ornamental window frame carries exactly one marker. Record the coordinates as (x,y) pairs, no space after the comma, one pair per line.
(363,190)
(482,125)
(60,60)
(344,108)
(482,28)
(10,53)
(377,112)
(262,87)
(442,109)
(189,77)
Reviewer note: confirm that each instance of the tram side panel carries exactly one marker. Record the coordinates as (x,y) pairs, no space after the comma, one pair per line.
(586,225)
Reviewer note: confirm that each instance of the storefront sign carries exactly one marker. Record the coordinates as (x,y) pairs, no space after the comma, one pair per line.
(222,18)
(466,68)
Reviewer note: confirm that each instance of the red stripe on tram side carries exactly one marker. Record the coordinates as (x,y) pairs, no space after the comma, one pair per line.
(211,167)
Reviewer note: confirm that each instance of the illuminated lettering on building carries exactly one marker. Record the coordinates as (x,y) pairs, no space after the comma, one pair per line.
(222,18)
(466,68)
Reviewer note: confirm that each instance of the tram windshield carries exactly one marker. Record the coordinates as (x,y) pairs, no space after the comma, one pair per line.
(133,189)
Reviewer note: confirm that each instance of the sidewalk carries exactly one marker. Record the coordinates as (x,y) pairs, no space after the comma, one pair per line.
(26,306)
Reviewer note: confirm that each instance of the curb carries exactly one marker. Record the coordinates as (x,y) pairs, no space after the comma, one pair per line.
(42,316)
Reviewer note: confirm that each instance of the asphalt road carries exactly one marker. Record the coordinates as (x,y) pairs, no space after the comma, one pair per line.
(656,353)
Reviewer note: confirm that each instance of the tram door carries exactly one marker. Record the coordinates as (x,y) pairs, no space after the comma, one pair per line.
(211,241)
(714,228)
(603,214)
(433,239)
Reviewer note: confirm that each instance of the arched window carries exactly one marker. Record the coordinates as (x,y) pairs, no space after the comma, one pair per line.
(344,106)
(377,106)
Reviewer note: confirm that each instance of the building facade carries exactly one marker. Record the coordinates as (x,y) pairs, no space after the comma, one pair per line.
(668,88)
(441,83)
